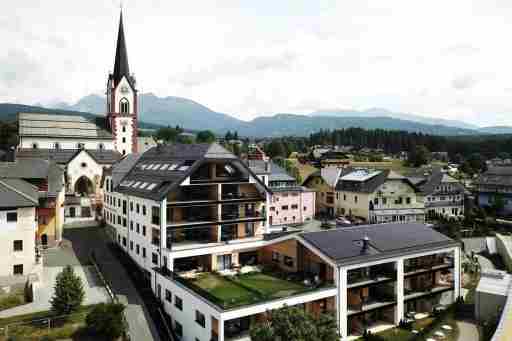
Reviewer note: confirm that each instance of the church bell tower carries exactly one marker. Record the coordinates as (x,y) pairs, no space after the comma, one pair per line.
(122,99)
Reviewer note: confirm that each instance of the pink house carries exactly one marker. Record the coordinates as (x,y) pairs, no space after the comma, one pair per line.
(290,203)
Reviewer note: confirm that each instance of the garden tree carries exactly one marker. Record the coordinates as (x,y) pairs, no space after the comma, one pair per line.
(275,149)
(69,292)
(293,323)
(205,136)
(168,134)
(418,156)
(107,320)
(228,136)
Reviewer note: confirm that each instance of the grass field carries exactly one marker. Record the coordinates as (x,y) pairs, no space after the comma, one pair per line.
(12,299)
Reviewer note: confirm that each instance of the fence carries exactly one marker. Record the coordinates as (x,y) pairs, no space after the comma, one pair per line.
(106,284)
(50,327)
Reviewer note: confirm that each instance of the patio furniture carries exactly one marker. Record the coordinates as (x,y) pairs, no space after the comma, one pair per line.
(440,334)
(446,327)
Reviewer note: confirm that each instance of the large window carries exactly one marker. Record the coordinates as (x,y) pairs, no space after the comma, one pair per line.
(200,319)
(124,106)
(155,215)
(178,302)
(18,269)
(18,245)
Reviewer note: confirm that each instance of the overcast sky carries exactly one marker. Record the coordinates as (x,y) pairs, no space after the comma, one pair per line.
(449,59)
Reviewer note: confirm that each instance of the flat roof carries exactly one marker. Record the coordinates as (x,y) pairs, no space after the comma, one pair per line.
(494,282)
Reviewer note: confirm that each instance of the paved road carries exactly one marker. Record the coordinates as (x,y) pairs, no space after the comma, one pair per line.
(468,331)
(84,240)
(485,263)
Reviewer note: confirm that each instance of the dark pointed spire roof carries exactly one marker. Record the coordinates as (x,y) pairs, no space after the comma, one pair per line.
(121,67)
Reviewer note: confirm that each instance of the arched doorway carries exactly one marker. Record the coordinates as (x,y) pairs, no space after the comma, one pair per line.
(84,186)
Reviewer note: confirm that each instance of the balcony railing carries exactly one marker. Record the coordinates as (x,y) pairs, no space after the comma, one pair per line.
(372,302)
(373,276)
(198,235)
(417,267)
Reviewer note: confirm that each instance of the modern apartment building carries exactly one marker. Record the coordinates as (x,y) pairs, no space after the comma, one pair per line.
(194,218)
(18,226)
(378,196)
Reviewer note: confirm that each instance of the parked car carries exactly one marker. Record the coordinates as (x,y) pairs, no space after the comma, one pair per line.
(343,222)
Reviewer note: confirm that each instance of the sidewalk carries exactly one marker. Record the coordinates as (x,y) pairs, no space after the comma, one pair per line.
(468,331)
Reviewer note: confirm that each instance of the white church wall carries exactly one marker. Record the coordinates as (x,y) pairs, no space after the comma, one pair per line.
(84,165)
(65,143)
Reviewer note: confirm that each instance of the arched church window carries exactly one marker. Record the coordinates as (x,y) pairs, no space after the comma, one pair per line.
(80,145)
(124,105)
(124,129)
(35,145)
(101,146)
(56,145)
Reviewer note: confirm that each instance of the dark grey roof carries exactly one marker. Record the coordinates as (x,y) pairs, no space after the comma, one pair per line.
(429,185)
(496,176)
(258,166)
(185,159)
(54,125)
(121,67)
(63,156)
(32,169)
(343,245)
(368,186)
(121,168)
(17,193)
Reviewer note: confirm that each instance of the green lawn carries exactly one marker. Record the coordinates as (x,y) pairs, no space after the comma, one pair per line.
(269,286)
(245,289)
(12,299)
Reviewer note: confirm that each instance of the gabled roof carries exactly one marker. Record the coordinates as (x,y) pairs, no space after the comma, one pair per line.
(121,168)
(17,193)
(29,169)
(60,126)
(180,160)
(430,183)
(344,246)
(64,156)
(367,185)
(496,176)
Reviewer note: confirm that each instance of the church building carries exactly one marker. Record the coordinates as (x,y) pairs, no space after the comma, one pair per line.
(85,145)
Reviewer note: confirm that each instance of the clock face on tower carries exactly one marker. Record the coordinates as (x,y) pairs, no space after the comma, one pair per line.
(124,89)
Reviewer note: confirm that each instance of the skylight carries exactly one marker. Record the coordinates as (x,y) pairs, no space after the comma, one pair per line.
(143,185)
(143,166)
(183,168)
(150,187)
(173,167)
(136,184)
(156,166)
(164,166)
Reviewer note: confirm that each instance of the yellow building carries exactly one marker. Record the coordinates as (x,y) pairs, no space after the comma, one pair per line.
(378,196)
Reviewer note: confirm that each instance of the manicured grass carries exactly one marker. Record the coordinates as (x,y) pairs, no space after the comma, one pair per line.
(34,327)
(13,299)
(226,291)
(269,286)
(245,289)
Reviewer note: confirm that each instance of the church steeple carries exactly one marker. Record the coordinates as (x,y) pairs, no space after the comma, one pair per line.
(121,67)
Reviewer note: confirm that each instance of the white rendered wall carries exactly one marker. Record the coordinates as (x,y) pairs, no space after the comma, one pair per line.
(124,128)
(84,165)
(65,143)
(24,229)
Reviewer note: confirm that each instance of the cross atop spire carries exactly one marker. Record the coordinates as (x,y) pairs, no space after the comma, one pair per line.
(121,67)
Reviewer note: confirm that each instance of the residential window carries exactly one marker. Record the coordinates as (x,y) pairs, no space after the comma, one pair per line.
(131,225)
(355,199)
(12,217)
(178,329)
(272,208)
(131,206)
(295,206)
(305,208)
(284,208)
(200,319)
(124,206)
(131,245)
(137,248)
(376,201)
(249,229)
(18,245)
(143,209)
(344,197)
(168,296)
(138,227)
(155,237)
(124,241)
(154,258)
(143,252)
(275,256)
(407,200)
(124,222)
(178,302)
(124,139)
(118,202)
(143,230)
(18,269)
(155,215)
(137,208)
(288,261)
(384,201)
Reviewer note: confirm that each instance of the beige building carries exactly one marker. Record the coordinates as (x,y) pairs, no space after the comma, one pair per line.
(323,182)
(378,197)
(18,259)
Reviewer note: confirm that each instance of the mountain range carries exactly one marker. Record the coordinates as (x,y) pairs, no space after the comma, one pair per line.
(171,111)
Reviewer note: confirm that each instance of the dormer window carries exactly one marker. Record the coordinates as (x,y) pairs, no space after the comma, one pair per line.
(34,146)
(124,106)
(56,145)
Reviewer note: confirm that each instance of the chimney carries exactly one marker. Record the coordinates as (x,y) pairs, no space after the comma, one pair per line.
(366,243)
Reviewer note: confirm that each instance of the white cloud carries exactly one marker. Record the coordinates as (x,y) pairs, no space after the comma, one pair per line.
(438,58)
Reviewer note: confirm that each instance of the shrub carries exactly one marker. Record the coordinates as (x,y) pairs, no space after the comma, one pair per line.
(107,320)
